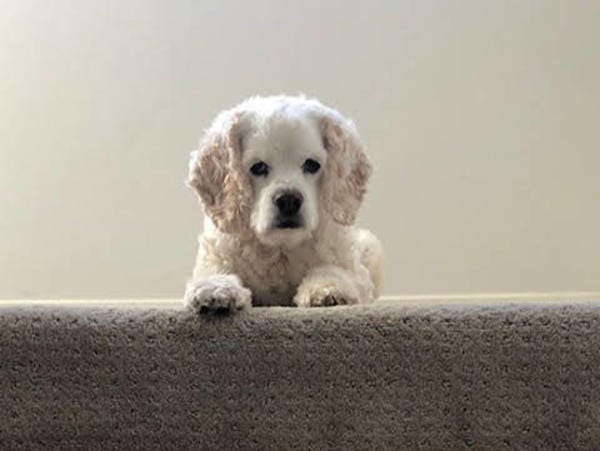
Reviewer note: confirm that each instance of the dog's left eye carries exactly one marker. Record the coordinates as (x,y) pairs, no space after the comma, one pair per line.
(311,166)
(260,168)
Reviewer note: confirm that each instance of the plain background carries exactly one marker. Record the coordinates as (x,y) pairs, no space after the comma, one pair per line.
(481,117)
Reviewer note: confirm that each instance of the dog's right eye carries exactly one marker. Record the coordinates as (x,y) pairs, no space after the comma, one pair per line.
(260,168)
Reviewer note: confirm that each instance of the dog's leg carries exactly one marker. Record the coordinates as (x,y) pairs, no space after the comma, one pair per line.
(221,293)
(371,256)
(331,285)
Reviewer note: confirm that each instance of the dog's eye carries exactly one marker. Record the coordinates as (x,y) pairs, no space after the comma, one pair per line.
(311,166)
(260,168)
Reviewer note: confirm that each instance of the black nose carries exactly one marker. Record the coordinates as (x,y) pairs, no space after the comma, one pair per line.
(288,202)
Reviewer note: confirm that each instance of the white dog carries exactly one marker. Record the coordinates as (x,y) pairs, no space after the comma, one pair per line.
(281,179)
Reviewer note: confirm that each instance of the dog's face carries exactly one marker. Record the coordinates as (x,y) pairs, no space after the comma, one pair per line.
(277,167)
(284,159)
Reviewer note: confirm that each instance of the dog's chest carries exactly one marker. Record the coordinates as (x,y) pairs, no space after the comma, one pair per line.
(274,276)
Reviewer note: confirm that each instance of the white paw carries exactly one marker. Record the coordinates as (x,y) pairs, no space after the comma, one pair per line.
(218,294)
(323,296)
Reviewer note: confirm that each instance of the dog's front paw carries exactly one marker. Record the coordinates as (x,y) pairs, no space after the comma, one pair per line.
(217,294)
(323,296)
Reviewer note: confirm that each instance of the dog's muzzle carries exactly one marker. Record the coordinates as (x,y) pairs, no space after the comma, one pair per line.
(288,205)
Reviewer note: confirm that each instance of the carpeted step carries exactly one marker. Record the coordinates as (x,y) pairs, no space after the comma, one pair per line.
(384,376)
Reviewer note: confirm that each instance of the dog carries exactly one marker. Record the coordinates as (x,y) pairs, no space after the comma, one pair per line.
(280,179)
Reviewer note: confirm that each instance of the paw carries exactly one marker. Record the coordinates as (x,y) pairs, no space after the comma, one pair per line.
(217,294)
(326,296)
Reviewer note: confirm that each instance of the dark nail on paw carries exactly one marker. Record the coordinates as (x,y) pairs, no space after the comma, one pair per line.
(330,301)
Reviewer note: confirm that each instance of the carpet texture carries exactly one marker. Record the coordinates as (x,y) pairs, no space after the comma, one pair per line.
(384,376)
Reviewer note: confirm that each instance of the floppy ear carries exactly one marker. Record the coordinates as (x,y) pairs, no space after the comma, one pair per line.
(347,171)
(216,175)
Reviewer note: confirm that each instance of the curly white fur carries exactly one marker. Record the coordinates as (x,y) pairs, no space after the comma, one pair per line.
(244,257)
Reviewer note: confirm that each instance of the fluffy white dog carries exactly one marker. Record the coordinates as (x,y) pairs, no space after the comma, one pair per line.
(281,179)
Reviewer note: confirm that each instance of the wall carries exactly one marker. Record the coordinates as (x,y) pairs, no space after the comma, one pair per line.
(482,119)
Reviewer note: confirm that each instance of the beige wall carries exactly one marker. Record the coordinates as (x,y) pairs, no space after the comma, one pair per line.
(482,117)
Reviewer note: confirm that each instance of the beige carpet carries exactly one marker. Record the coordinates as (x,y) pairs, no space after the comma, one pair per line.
(387,376)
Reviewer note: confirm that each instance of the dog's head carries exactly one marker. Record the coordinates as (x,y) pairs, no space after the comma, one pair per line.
(277,167)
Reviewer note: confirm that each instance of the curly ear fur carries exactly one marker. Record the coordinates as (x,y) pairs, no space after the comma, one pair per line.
(215,174)
(348,169)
